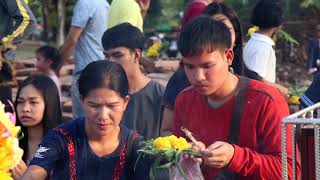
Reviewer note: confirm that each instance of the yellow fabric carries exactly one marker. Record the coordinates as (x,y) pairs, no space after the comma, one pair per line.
(125,11)
(22,27)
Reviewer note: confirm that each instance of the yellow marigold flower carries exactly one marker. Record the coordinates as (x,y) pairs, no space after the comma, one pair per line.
(173,139)
(10,154)
(154,50)
(5,175)
(294,100)
(181,144)
(161,143)
(252,30)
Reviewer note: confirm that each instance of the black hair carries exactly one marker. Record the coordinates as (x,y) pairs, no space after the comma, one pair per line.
(52,115)
(50,53)
(123,35)
(103,74)
(203,34)
(267,14)
(220,8)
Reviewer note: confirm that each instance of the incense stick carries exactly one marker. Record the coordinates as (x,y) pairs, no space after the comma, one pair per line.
(189,134)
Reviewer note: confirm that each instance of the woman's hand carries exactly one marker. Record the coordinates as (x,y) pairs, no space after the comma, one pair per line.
(218,154)
(18,171)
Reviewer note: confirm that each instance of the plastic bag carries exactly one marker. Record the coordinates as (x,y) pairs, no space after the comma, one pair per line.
(190,168)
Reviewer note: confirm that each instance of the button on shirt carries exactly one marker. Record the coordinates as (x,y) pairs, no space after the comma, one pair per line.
(259,56)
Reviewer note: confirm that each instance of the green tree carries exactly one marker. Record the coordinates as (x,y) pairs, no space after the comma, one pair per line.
(165,12)
(307,3)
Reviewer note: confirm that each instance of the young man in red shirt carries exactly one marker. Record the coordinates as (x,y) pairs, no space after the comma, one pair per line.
(236,120)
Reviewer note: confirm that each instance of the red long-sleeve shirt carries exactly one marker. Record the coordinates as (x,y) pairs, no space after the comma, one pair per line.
(258,152)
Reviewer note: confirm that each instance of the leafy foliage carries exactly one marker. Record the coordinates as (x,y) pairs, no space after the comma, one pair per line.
(307,3)
(283,35)
(167,12)
(297,90)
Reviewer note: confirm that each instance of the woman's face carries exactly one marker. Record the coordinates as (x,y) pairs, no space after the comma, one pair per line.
(30,106)
(103,108)
(227,22)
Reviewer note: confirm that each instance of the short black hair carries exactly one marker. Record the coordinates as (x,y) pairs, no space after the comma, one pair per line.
(267,14)
(123,35)
(103,74)
(52,115)
(49,52)
(203,34)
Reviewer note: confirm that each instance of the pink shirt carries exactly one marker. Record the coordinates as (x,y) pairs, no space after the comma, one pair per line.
(56,80)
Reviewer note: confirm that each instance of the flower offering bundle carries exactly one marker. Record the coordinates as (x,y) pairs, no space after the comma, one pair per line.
(10,153)
(154,50)
(166,152)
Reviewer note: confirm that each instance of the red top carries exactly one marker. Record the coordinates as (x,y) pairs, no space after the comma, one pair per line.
(258,153)
(193,9)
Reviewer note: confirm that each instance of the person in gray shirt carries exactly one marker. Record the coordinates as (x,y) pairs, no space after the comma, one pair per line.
(123,44)
(89,21)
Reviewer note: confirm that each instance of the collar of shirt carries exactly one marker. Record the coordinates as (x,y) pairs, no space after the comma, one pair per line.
(264,38)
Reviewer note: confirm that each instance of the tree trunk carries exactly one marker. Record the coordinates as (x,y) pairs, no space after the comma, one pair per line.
(61,10)
(45,16)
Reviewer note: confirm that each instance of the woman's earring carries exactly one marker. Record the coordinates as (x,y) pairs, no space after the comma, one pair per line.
(231,70)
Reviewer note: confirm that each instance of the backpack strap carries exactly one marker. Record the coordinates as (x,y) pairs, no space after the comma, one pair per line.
(237,110)
(124,155)
(71,151)
(235,123)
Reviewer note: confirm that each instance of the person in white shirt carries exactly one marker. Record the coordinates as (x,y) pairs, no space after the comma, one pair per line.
(260,57)
(258,54)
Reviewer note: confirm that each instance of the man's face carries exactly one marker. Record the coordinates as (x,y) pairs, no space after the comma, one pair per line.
(208,71)
(121,55)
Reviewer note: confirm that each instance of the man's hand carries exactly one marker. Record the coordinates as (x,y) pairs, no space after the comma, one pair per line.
(218,154)
(200,146)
